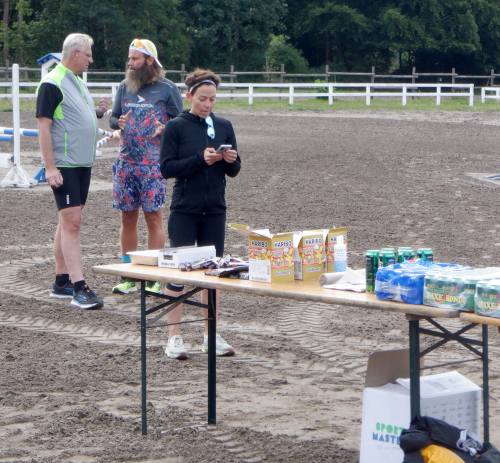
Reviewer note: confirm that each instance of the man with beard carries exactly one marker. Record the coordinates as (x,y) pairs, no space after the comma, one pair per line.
(144,102)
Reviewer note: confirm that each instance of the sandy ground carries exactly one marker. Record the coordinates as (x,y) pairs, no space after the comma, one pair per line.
(70,379)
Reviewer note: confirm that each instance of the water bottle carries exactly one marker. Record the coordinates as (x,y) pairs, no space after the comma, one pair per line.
(340,255)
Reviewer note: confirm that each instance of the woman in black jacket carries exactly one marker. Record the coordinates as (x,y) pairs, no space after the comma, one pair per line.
(198,208)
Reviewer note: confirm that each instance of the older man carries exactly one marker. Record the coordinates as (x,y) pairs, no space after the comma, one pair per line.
(67,128)
(144,102)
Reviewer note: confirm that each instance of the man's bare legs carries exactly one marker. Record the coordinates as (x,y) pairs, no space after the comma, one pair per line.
(129,238)
(67,250)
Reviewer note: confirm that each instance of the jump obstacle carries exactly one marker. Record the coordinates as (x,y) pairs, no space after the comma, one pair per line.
(17,176)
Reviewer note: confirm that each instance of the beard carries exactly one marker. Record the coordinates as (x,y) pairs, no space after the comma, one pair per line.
(138,78)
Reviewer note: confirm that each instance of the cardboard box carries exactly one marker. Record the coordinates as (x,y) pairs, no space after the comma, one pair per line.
(330,241)
(308,254)
(270,255)
(174,257)
(450,397)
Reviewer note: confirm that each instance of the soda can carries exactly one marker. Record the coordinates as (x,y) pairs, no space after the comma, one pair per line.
(371,269)
(425,254)
(470,285)
(405,254)
(386,257)
(444,283)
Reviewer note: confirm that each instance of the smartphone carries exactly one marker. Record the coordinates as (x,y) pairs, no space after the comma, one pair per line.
(223,148)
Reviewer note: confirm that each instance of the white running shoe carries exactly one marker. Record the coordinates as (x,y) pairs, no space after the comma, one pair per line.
(175,348)
(222,348)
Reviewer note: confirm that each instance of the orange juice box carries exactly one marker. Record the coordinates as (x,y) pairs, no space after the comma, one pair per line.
(308,249)
(270,255)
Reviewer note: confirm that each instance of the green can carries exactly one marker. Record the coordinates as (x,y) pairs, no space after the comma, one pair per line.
(371,269)
(445,283)
(425,254)
(386,257)
(405,254)
(487,298)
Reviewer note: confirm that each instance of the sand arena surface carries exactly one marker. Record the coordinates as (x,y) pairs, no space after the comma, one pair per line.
(70,379)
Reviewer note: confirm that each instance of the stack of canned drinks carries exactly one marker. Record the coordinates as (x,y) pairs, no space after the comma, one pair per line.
(487,298)
(459,288)
(376,258)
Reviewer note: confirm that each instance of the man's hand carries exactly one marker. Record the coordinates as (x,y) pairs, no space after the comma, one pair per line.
(211,156)
(103,106)
(230,156)
(158,126)
(123,121)
(53,177)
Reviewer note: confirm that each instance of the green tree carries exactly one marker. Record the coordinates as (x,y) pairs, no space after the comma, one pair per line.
(280,51)
(226,32)
(112,24)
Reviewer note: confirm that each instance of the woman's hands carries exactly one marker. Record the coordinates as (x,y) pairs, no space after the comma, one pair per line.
(211,156)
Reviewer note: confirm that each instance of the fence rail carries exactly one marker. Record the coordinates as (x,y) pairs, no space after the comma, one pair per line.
(232,74)
(364,90)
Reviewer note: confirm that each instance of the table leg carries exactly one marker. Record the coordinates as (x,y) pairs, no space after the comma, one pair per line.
(486,395)
(212,359)
(414,368)
(143,360)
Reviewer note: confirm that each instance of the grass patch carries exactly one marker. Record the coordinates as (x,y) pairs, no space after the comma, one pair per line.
(394,104)
(321,104)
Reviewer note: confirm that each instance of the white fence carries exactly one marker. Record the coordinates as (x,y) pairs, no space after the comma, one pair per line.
(485,96)
(298,90)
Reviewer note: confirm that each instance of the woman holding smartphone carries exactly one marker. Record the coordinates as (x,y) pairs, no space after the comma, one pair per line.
(190,153)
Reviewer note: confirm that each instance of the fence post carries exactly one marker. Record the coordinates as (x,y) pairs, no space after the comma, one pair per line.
(438,95)
(413,81)
(290,95)
(281,76)
(492,80)
(183,72)
(330,94)
(372,78)
(250,95)
(232,78)
(368,95)
(453,79)
(6,73)
(327,68)
(405,89)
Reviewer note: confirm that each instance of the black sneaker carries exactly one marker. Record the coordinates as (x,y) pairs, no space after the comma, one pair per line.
(62,292)
(86,299)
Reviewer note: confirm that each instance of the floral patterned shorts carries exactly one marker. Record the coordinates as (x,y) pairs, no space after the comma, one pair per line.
(136,185)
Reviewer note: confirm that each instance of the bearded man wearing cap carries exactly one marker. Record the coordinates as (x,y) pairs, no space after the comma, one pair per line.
(144,102)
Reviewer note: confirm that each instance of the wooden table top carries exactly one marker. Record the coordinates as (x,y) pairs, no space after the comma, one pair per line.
(296,290)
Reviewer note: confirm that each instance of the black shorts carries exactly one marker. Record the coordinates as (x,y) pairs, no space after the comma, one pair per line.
(75,188)
(199,229)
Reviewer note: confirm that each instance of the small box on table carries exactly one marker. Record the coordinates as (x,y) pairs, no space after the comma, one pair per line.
(270,255)
(174,257)
(308,254)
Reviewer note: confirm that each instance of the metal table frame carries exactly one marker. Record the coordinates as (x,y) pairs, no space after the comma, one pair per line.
(446,336)
(307,291)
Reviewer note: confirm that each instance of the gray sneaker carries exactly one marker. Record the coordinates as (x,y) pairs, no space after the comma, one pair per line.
(86,299)
(175,348)
(222,348)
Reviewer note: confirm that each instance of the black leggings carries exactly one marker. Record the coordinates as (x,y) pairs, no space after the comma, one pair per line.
(199,229)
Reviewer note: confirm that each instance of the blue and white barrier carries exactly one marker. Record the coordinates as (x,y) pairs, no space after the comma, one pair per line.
(25,132)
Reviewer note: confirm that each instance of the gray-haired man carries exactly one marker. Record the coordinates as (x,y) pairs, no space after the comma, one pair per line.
(67,130)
